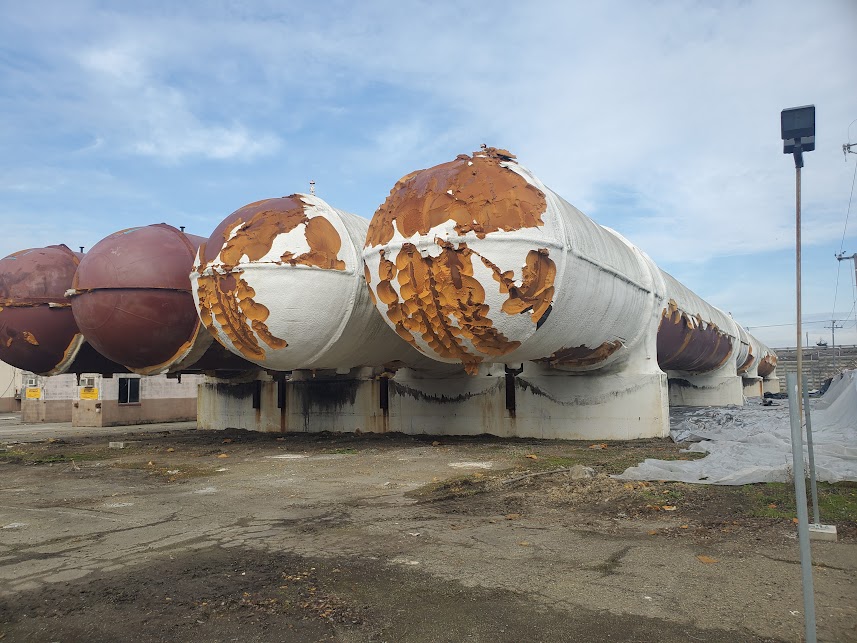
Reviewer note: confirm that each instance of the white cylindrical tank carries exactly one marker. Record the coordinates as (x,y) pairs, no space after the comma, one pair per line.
(280,282)
(476,261)
(747,356)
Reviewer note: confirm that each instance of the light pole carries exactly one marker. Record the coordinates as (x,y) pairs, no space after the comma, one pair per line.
(797,127)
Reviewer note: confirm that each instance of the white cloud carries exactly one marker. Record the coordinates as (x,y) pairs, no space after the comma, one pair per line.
(149,117)
(658,119)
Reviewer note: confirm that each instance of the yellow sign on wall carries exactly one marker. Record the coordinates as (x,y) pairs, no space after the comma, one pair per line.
(88,393)
(33,393)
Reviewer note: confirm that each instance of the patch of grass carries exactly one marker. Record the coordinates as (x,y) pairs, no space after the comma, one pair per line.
(456,487)
(664,496)
(837,502)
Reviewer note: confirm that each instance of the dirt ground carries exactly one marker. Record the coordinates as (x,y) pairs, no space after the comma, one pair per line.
(234,536)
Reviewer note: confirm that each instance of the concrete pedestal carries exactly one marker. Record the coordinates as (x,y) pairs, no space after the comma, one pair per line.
(610,406)
(752,386)
(705,390)
(538,402)
(771,385)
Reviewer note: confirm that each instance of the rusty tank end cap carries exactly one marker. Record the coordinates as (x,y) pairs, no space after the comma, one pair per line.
(157,256)
(480,194)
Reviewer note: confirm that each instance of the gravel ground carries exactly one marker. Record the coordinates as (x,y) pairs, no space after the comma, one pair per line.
(186,535)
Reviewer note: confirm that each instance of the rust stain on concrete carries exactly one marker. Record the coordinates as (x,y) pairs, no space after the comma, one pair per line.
(475,191)
(582,355)
(687,343)
(225,296)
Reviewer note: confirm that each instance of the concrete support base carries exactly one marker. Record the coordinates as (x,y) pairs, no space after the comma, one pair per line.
(752,386)
(244,403)
(594,406)
(538,402)
(705,390)
(337,403)
(462,405)
(307,401)
(771,385)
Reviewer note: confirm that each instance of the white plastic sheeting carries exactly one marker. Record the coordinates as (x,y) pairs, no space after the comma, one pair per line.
(753,443)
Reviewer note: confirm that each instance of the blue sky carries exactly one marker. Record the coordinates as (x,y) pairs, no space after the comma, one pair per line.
(659,119)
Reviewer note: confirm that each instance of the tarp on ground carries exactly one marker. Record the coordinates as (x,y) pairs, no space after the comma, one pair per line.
(753,443)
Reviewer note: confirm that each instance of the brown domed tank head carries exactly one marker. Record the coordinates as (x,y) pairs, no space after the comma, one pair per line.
(37,328)
(132,297)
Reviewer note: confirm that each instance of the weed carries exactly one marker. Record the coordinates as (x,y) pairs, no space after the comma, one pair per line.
(836,502)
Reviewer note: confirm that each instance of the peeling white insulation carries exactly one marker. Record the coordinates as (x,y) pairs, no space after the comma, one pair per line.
(753,443)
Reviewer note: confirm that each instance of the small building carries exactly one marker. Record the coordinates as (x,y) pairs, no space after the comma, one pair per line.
(96,400)
(10,388)
(132,399)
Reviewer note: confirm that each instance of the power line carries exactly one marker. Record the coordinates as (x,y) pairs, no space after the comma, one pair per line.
(820,321)
(848,211)
(845,149)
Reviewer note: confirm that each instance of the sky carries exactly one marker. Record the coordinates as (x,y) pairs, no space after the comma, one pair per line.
(658,119)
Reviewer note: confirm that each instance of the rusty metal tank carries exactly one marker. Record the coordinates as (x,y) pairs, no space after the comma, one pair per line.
(477,261)
(767,362)
(280,283)
(693,335)
(37,329)
(132,299)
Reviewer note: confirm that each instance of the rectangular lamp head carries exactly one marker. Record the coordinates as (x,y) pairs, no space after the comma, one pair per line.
(797,128)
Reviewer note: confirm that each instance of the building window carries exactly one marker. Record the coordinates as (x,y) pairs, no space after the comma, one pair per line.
(129,390)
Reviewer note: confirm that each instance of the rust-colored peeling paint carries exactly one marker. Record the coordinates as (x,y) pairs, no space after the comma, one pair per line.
(226,297)
(255,227)
(475,191)
(582,355)
(444,304)
(536,290)
(747,362)
(368,276)
(29,338)
(324,243)
(689,344)
(767,365)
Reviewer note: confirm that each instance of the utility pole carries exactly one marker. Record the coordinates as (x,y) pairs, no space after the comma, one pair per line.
(842,257)
(833,328)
